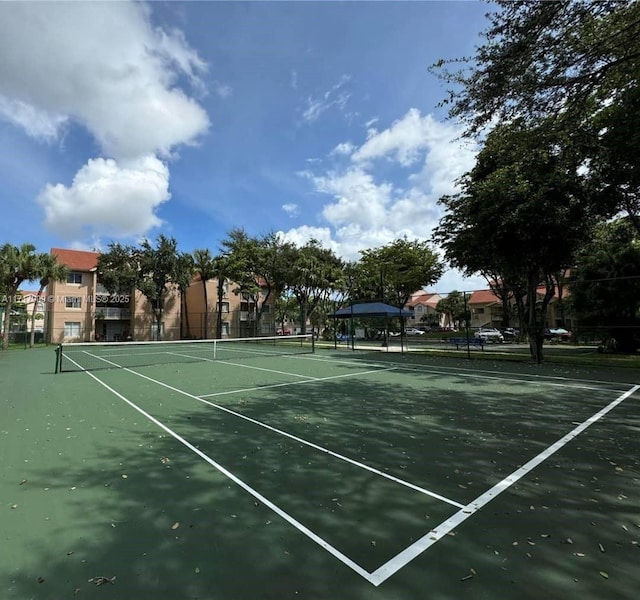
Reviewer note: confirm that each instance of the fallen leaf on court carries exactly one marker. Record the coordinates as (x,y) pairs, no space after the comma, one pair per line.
(604,574)
(23,482)
(545,535)
(580,554)
(102,580)
(124,476)
(175,525)
(40,579)
(373,542)
(164,460)
(196,570)
(14,506)
(601,547)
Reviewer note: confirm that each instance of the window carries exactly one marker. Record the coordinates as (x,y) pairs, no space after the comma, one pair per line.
(266,308)
(73,302)
(74,277)
(225,307)
(225,328)
(479,311)
(225,289)
(71,329)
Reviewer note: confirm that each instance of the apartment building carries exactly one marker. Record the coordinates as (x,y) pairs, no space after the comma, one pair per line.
(423,304)
(238,314)
(80,309)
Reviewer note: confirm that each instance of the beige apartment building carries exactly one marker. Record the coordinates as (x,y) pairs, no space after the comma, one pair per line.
(81,310)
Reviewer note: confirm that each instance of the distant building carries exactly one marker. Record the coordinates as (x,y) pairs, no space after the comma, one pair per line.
(423,304)
(81,309)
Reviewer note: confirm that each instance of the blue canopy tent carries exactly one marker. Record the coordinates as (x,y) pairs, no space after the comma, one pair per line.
(372,310)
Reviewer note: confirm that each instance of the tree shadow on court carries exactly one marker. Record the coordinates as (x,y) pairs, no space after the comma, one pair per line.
(165,523)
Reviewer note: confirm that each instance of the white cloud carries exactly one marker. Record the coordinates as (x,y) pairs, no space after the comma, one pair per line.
(290,209)
(223,90)
(403,141)
(366,210)
(107,199)
(103,66)
(344,149)
(37,123)
(335,96)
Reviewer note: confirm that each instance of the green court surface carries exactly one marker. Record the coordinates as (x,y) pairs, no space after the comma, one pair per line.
(318,476)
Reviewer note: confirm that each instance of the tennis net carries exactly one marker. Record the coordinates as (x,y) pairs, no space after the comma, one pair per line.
(91,356)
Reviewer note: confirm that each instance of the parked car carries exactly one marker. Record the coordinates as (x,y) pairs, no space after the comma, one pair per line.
(559,333)
(489,334)
(509,334)
(413,331)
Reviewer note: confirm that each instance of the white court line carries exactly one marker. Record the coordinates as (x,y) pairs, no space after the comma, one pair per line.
(244,366)
(399,561)
(418,547)
(288,383)
(300,440)
(286,516)
(497,375)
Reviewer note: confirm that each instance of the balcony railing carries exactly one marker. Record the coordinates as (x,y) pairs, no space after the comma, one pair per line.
(110,313)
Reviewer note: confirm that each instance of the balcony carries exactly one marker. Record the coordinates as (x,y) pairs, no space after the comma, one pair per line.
(110,313)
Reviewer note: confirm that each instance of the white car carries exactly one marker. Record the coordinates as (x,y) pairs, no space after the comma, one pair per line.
(489,334)
(413,331)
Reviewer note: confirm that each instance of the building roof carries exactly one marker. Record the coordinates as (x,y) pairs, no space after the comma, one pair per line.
(483,297)
(425,298)
(79,260)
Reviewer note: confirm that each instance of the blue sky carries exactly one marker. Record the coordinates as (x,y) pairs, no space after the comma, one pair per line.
(314,119)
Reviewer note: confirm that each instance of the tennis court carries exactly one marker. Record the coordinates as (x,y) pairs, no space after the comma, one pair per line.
(246,472)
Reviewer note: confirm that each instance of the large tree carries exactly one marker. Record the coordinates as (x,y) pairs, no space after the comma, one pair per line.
(542,59)
(48,270)
(153,271)
(185,269)
(523,211)
(17,264)
(605,285)
(315,275)
(204,267)
(393,272)
(573,65)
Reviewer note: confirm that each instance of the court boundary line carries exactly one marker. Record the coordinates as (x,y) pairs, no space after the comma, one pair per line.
(242,484)
(393,565)
(400,560)
(224,362)
(295,438)
(497,375)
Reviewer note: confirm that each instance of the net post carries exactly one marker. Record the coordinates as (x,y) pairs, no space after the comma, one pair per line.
(58,358)
(313,342)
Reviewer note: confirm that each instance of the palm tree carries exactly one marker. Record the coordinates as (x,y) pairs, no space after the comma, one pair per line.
(220,267)
(183,276)
(204,267)
(17,264)
(48,269)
